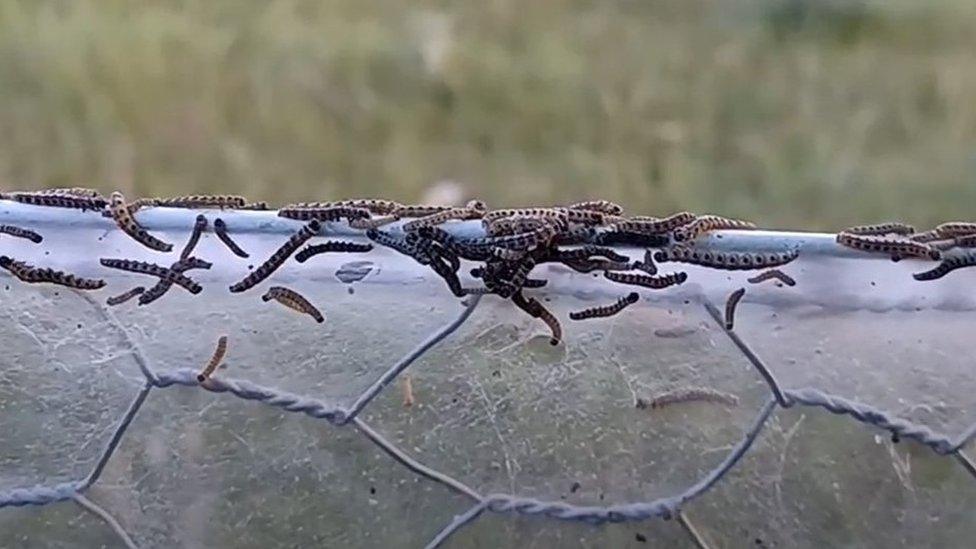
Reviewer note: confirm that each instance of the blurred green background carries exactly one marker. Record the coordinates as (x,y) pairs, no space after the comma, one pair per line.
(802,114)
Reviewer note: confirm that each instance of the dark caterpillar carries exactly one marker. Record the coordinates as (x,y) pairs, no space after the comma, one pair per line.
(418,210)
(955,228)
(199,226)
(602,206)
(200,201)
(897,249)
(537,310)
(606,310)
(708,223)
(220,229)
(772,274)
(279,257)
(948,265)
(729,261)
(654,226)
(21,233)
(143,267)
(730,304)
(215,359)
(441,217)
(163,286)
(122,298)
(293,300)
(329,213)
(655,282)
(881,229)
(55,200)
(127,223)
(331,246)
(34,275)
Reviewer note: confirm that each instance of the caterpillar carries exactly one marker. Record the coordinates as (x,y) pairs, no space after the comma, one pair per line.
(927,236)
(537,310)
(730,261)
(654,282)
(407,385)
(163,286)
(521,241)
(278,258)
(72,191)
(771,274)
(602,206)
(328,213)
(123,297)
(215,359)
(506,254)
(896,248)
(142,267)
(583,217)
(220,229)
(260,206)
(515,224)
(560,215)
(331,246)
(34,275)
(399,244)
(606,310)
(629,238)
(707,223)
(55,200)
(374,205)
(881,229)
(199,226)
(968,241)
(441,217)
(588,251)
(534,282)
(948,265)
(590,265)
(955,228)
(475,204)
(653,225)
(418,210)
(293,300)
(730,304)
(688,394)
(201,201)
(647,265)
(373,222)
(21,233)
(127,223)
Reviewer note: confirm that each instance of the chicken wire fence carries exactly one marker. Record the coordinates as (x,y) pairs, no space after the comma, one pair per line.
(483,415)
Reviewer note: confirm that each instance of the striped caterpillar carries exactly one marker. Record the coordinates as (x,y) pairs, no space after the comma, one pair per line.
(220,229)
(688,394)
(583,217)
(163,286)
(881,229)
(278,258)
(331,246)
(708,223)
(199,226)
(328,213)
(647,265)
(654,282)
(602,206)
(518,224)
(537,310)
(628,238)
(293,300)
(123,297)
(407,385)
(585,252)
(259,206)
(441,217)
(590,265)
(730,304)
(21,233)
(730,261)
(896,248)
(399,244)
(374,205)
(770,275)
(199,201)
(653,225)
(948,265)
(955,228)
(218,355)
(418,210)
(925,237)
(521,241)
(56,200)
(373,222)
(143,267)
(71,191)
(606,310)
(34,275)
(127,223)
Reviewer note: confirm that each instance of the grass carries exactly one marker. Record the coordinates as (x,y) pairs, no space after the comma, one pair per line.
(800,114)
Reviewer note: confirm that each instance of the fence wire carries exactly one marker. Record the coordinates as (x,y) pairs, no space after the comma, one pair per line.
(339,416)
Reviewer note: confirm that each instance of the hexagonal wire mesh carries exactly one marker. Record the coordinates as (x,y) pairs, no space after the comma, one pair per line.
(664,411)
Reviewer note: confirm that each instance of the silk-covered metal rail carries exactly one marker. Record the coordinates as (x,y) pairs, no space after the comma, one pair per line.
(564,250)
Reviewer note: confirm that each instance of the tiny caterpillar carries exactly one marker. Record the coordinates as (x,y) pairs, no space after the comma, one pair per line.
(881,229)
(586,252)
(688,394)
(123,218)
(927,236)
(653,225)
(602,206)
(293,300)
(407,385)
(655,282)
(515,224)
(260,206)
(331,246)
(441,217)
(629,238)
(60,201)
(329,213)
(373,222)
(71,191)
(34,275)
(730,261)
(21,233)
(955,228)
(730,304)
(771,274)
(708,223)
(218,355)
(122,298)
(418,210)
(948,265)
(521,241)
(555,213)
(279,257)
(590,265)
(374,205)
(506,254)
(968,241)
(142,267)
(199,226)
(583,217)
(399,244)
(200,201)
(896,248)
(537,310)
(220,229)
(647,265)
(163,286)
(606,310)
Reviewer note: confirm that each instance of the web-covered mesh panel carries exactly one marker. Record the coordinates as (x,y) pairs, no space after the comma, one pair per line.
(519,442)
